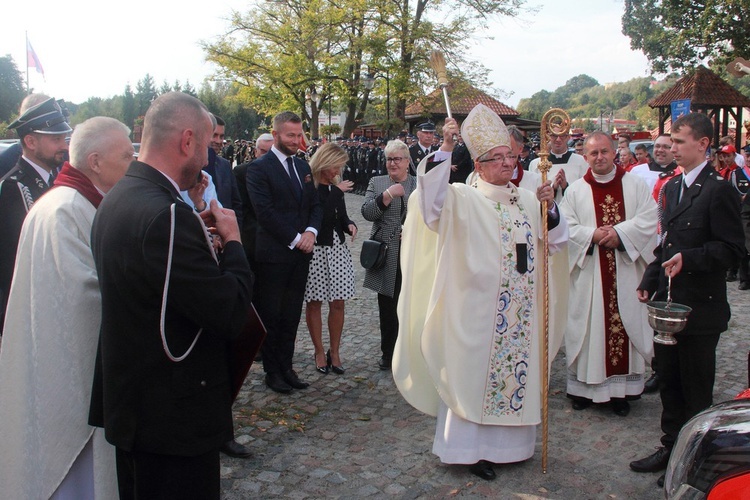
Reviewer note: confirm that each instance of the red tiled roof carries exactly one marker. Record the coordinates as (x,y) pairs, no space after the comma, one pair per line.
(704,88)
(463,100)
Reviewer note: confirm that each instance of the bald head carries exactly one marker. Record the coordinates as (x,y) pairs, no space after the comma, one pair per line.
(177,131)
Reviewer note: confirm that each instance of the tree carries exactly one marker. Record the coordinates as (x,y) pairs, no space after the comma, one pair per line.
(12,89)
(145,92)
(681,34)
(129,113)
(289,49)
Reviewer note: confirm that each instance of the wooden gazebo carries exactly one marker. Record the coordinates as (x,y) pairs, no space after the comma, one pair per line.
(708,94)
(463,98)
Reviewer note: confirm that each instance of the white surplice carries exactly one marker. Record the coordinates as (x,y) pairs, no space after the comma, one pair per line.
(47,358)
(585,344)
(459,289)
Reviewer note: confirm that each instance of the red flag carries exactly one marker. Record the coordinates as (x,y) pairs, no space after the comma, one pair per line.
(32,61)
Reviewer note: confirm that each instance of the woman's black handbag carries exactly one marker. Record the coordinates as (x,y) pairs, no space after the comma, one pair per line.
(373,254)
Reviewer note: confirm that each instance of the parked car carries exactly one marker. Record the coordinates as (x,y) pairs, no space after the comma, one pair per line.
(6,143)
(648,142)
(711,458)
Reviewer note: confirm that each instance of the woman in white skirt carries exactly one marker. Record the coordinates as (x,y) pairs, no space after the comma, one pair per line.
(331,277)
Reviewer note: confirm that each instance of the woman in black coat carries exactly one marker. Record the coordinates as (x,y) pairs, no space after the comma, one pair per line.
(331,277)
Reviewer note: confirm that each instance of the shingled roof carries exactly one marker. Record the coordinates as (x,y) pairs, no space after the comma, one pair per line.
(704,88)
(463,99)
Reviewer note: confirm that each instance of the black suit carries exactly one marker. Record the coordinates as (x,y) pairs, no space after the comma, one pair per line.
(704,226)
(17,194)
(282,272)
(249,227)
(149,405)
(227,189)
(417,153)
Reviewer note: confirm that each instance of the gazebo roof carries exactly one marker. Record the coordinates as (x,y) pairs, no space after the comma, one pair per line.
(463,99)
(704,88)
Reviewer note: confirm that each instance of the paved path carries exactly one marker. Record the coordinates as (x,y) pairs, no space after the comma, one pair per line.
(353,436)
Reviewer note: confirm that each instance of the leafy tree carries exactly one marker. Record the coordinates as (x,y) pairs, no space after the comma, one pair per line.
(12,89)
(681,34)
(289,49)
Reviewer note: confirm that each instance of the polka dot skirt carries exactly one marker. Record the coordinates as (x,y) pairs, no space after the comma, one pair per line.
(331,274)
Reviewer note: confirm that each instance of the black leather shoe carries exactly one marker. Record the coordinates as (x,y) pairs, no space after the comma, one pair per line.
(483,469)
(276,383)
(291,378)
(660,481)
(744,285)
(234,449)
(581,404)
(384,364)
(338,370)
(621,407)
(731,276)
(652,463)
(652,384)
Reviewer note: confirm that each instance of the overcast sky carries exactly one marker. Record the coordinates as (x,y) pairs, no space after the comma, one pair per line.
(92,49)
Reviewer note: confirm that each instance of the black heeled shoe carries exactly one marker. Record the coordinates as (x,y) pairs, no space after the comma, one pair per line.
(338,370)
(322,369)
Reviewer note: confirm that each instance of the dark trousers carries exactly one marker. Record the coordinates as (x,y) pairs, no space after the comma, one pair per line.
(686,381)
(281,291)
(389,319)
(148,476)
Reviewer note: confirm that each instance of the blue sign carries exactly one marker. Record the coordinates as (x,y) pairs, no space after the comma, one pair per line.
(679,108)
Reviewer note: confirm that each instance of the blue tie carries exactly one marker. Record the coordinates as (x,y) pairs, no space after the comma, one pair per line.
(293,177)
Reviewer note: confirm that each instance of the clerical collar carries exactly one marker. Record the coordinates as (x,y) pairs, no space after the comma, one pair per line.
(507,195)
(603,179)
(559,155)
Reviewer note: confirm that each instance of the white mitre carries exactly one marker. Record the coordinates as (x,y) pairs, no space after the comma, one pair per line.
(483,130)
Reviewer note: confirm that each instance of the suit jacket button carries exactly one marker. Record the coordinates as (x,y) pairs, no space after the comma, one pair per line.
(669,245)
(203,383)
(688,224)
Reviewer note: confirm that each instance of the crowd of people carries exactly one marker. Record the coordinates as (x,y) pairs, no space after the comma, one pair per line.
(128,282)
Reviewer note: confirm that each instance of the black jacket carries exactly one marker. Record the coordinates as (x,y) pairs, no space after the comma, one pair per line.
(335,217)
(705,227)
(145,401)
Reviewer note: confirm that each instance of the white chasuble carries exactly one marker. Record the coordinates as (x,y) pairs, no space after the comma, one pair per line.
(47,358)
(585,344)
(470,313)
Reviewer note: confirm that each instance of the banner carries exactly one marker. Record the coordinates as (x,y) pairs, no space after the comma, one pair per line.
(32,61)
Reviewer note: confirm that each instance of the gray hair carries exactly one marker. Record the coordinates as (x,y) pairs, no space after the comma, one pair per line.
(264,137)
(30,101)
(395,145)
(516,134)
(93,136)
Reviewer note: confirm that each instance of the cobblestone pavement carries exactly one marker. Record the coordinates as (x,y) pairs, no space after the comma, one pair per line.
(353,436)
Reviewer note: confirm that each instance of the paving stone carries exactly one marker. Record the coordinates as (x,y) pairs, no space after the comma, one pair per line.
(352,435)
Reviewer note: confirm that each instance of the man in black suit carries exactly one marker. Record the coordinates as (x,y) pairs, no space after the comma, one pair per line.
(170,306)
(701,237)
(42,130)
(289,215)
(220,170)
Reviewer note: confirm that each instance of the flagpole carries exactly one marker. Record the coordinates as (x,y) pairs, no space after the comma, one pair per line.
(27,62)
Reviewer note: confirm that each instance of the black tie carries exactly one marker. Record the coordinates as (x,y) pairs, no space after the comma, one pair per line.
(293,176)
(52,176)
(683,188)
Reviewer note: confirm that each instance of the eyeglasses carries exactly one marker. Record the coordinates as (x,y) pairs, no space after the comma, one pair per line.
(394,159)
(662,146)
(499,159)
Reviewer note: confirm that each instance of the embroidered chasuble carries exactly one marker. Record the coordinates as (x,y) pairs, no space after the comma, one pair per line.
(610,210)
(470,304)
(607,336)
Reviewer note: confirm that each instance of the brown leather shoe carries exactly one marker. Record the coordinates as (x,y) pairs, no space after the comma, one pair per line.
(652,463)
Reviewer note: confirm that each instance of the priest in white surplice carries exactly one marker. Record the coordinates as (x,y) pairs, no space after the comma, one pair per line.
(47,448)
(612,218)
(469,348)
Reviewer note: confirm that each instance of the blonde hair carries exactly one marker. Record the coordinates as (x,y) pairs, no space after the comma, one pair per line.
(329,155)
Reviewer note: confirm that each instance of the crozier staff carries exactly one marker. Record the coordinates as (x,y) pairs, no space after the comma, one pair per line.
(477,249)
